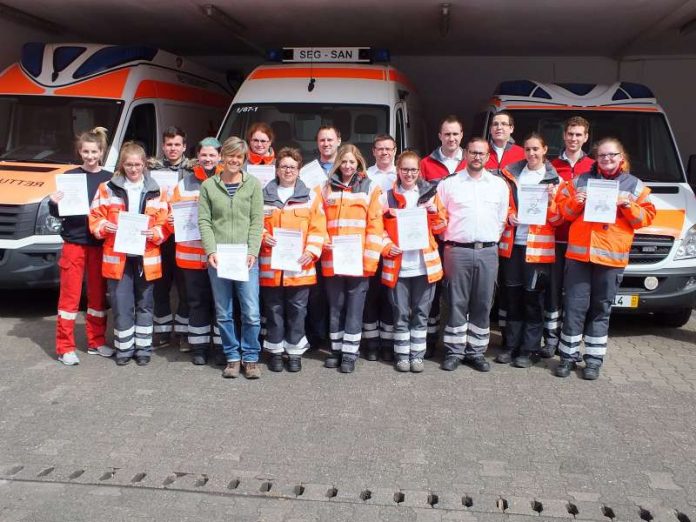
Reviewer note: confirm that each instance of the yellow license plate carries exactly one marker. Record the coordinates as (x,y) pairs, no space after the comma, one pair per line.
(626,301)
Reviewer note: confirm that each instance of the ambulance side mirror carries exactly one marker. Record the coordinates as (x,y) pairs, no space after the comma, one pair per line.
(691,171)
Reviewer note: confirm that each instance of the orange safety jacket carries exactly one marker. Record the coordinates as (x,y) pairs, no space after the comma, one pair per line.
(541,241)
(606,244)
(190,254)
(112,198)
(353,209)
(437,221)
(303,211)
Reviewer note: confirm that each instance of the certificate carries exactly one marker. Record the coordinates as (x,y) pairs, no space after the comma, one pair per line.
(232,262)
(264,173)
(166,179)
(129,234)
(288,250)
(412,228)
(600,205)
(75,200)
(533,201)
(186,221)
(347,255)
(313,175)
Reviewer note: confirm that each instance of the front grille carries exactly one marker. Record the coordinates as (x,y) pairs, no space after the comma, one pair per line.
(649,249)
(17,221)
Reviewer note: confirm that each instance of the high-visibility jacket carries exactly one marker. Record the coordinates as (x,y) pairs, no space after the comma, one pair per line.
(303,211)
(511,154)
(567,172)
(437,221)
(353,209)
(109,201)
(433,168)
(541,242)
(258,159)
(190,254)
(606,244)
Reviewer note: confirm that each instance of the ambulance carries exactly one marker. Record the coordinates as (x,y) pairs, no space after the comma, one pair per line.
(57,91)
(354,89)
(661,275)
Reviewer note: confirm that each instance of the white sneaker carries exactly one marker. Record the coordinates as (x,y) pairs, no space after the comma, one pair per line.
(69,359)
(403,365)
(103,350)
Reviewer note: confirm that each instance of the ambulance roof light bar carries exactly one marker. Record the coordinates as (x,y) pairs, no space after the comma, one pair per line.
(328,55)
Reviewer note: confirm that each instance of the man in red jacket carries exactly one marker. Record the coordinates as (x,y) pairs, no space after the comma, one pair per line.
(448,158)
(503,148)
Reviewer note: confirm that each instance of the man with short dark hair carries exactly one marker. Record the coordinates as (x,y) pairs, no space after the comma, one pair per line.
(448,158)
(503,148)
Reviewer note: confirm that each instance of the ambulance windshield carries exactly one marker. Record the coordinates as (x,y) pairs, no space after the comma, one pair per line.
(646,137)
(43,128)
(296,124)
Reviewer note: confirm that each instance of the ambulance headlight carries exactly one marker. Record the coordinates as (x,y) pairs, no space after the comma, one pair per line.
(687,249)
(45,223)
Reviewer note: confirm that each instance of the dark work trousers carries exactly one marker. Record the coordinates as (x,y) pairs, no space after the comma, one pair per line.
(317,321)
(524,286)
(553,299)
(346,296)
(410,301)
(377,317)
(202,328)
(165,321)
(590,290)
(470,276)
(285,310)
(131,305)
(434,316)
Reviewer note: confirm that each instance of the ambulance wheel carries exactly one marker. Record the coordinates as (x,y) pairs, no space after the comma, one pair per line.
(675,318)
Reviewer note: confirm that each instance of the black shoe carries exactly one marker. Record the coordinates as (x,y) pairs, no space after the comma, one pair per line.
(347,365)
(429,351)
(294,363)
(388,354)
(371,354)
(522,361)
(275,363)
(547,352)
(480,364)
(122,361)
(504,357)
(564,368)
(450,363)
(198,359)
(590,373)
(333,360)
(143,360)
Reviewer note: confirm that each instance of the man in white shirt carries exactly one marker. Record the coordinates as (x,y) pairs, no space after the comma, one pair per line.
(477,205)
(383,172)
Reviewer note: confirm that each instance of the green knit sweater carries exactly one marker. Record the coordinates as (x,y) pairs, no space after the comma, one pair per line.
(224,219)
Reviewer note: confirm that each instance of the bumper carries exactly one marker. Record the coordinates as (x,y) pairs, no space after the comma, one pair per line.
(676,290)
(33,266)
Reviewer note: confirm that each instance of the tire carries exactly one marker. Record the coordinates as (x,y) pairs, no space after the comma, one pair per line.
(674,319)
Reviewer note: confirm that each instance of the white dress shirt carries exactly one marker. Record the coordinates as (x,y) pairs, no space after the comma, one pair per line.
(452,163)
(384,179)
(476,208)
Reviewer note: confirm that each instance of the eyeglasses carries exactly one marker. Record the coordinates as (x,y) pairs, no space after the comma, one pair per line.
(608,155)
(262,142)
(408,171)
(475,154)
(287,168)
(500,124)
(385,149)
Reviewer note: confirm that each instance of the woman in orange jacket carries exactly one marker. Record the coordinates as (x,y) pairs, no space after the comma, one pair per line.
(597,255)
(260,138)
(130,277)
(289,208)
(352,208)
(527,253)
(410,275)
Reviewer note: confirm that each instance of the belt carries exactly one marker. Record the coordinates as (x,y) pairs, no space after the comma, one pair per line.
(476,245)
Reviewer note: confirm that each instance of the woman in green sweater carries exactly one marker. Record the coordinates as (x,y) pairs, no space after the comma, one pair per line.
(230,218)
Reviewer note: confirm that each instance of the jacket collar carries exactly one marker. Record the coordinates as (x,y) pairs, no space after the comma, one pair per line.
(438,156)
(270,194)
(515,169)
(149,184)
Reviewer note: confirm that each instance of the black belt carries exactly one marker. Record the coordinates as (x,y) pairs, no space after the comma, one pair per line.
(476,245)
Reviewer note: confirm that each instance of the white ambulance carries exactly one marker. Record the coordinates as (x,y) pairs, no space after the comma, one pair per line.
(57,91)
(353,89)
(661,275)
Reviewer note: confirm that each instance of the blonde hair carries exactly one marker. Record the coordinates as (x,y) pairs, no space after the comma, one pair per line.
(97,135)
(349,148)
(233,146)
(130,148)
(626,165)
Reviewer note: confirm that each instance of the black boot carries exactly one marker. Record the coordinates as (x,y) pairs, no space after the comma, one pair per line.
(275,363)
(333,360)
(294,363)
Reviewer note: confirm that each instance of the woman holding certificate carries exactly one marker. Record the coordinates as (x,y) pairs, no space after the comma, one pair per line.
(82,252)
(413,213)
(354,226)
(599,243)
(293,238)
(129,213)
(230,218)
(527,250)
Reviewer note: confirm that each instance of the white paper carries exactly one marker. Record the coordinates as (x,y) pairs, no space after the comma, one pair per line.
(412,228)
(533,202)
(264,173)
(166,179)
(313,175)
(600,205)
(75,200)
(186,221)
(288,250)
(347,255)
(129,234)
(232,262)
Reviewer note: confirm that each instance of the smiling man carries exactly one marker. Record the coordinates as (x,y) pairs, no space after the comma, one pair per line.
(503,148)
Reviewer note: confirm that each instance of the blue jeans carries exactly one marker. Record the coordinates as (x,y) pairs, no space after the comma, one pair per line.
(247,293)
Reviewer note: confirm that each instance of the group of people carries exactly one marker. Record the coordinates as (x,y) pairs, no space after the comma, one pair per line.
(557,280)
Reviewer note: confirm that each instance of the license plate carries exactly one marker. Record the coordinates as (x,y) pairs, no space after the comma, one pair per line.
(625,301)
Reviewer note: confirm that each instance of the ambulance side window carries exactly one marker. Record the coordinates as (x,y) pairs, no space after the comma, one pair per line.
(399,134)
(142,128)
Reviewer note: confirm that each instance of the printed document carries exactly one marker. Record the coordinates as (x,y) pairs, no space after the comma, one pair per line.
(75,200)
